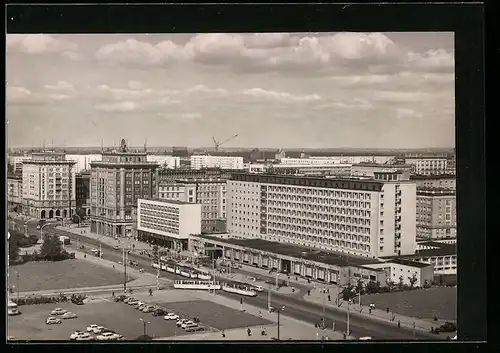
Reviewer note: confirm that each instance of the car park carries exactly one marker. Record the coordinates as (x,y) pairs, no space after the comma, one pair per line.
(120,298)
(68,316)
(171,316)
(91,328)
(75,334)
(133,302)
(53,320)
(127,299)
(58,311)
(79,335)
(159,312)
(95,329)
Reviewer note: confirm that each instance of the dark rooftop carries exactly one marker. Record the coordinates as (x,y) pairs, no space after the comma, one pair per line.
(441,249)
(327,257)
(432,177)
(435,192)
(14,176)
(409,263)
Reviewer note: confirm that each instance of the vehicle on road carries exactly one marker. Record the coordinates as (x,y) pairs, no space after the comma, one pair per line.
(159,312)
(53,321)
(258,289)
(69,316)
(84,337)
(107,336)
(171,316)
(12,309)
(195,328)
(58,311)
(366,338)
(188,325)
(78,334)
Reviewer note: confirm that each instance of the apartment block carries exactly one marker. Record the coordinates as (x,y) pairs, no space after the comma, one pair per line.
(443,181)
(223,162)
(428,165)
(436,213)
(369,218)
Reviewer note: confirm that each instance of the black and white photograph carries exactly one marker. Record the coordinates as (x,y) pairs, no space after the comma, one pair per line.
(231,187)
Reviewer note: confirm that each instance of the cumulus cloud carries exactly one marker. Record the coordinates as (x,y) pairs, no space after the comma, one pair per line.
(41,44)
(123,107)
(61,86)
(407,113)
(439,60)
(181,115)
(17,95)
(281,96)
(398,96)
(357,103)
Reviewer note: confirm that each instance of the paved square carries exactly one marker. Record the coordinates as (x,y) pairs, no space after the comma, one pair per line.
(45,275)
(214,315)
(30,325)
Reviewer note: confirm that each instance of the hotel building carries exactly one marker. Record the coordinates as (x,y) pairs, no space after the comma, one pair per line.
(48,185)
(116,183)
(436,213)
(428,165)
(222,162)
(167,223)
(369,218)
(210,193)
(82,161)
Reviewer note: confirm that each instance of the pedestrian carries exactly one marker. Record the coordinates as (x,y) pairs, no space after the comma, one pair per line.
(84,256)
(223,334)
(150,292)
(113,294)
(399,324)
(345,335)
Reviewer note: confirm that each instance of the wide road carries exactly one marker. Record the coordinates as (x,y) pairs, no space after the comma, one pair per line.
(297,308)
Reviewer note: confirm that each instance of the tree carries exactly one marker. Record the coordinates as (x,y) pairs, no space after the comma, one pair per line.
(13,250)
(155,252)
(359,286)
(51,248)
(427,284)
(373,287)
(80,212)
(401,283)
(413,279)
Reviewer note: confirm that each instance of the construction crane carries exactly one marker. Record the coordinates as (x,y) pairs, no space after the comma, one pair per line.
(218,144)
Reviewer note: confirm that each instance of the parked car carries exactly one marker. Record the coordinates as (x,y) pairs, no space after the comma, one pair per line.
(79,335)
(90,328)
(140,306)
(448,327)
(95,329)
(53,320)
(181,321)
(75,334)
(171,316)
(127,299)
(148,308)
(84,337)
(107,336)
(58,311)
(258,289)
(187,323)
(116,247)
(68,316)
(133,302)
(195,328)
(366,338)
(120,298)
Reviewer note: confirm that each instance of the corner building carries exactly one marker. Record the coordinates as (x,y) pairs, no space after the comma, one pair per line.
(369,218)
(116,183)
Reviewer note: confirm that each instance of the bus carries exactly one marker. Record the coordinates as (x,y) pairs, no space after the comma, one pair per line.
(12,308)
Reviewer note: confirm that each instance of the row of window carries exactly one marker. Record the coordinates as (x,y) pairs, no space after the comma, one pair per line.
(320,240)
(316,192)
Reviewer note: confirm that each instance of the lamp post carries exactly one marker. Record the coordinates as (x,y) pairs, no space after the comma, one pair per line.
(41,231)
(278,312)
(79,219)
(17,276)
(348,312)
(413,330)
(158,269)
(145,323)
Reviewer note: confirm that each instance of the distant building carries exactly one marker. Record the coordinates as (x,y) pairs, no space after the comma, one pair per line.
(83,191)
(443,181)
(167,223)
(370,218)
(169,162)
(180,152)
(280,154)
(116,183)
(17,162)
(302,169)
(436,213)
(172,175)
(428,165)
(15,191)
(368,169)
(406,270)
(223,162)
(48,185)
(83,160)
(210,193)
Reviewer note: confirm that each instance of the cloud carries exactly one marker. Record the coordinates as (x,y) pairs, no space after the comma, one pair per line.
(181,115)
(398,96)
(356,103)
(41,44)
(135,85)
(71,55)
(17,95)
(123,107)
(439,60)
(61,86)
(407,113)
(281,96)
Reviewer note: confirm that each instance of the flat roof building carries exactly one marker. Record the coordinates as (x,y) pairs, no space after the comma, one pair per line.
(223,162)
(407,271)
(440,181)
(359,217)
(428,165)
(436,213)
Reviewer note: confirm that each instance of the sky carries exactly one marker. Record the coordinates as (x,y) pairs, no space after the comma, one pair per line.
(289,90)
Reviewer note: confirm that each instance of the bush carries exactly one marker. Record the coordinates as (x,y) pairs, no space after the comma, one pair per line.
(35,300)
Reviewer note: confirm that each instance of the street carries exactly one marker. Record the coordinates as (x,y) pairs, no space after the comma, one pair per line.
(296,307)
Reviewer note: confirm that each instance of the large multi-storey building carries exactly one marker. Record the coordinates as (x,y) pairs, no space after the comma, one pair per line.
(223,162)
(436,213)
(210,193)
(169,162)
(167,223)
(83,160)
(15,191)
(306,169)
(17,162)
(83,191)
(337,159)
(369,169)
(370,218)
(445,181)
(48,185)
(116,183)
(171,175)
(428,165)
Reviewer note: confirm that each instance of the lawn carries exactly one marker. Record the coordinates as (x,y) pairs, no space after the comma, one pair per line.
(45,275)
(30,325)
(421,303)
(214,315)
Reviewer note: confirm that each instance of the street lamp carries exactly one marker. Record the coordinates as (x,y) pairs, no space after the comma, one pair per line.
(145,324)
(276,310)
(348,312)
(41,230)
(17,276)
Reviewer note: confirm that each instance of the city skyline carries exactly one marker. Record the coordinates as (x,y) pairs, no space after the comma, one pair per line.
(329,90)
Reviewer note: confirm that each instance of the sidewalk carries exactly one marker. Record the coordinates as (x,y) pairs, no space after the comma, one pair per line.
(377,314)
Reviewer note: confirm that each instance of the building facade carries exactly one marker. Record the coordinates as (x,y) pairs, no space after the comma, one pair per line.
(82,161)
(167,223)
(169,162)
(210,193)
(428,165)
(48,185)
(172,175)
(17,162)
(83,191)
(116,183)
(369,169)
(436,213)
(406,271)
(306,169)
(445,181)
(222,162)
(365,218)
(15,191)
(442,256)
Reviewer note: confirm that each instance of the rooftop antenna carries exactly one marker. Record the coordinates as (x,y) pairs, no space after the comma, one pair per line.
(145,144)
(43,146)
(52,145)
(102,144)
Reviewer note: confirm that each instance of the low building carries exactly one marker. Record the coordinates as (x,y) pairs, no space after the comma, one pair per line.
(299,169)
(431,165)
(442,256)
(407,270)
(436,213)
(171,175)
(167,223)
(328,267)
(15,191)
(223,162)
